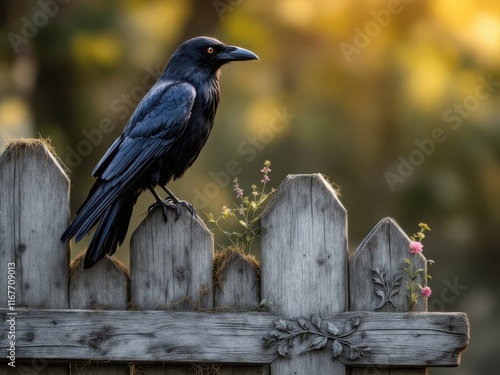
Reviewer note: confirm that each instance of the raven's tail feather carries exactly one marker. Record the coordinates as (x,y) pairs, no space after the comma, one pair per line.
(110,231)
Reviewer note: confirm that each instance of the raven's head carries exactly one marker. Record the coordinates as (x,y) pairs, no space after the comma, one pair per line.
(204,55)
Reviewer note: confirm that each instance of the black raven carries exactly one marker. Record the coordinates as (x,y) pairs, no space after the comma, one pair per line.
(162,139)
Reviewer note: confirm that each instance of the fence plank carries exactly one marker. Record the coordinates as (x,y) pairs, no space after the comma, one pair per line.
(304,260)
(383,249)
(237,284)
(304,255)
(171,267)
(171,263)
(237,288)
(34,209)
(415,339)
(104,286)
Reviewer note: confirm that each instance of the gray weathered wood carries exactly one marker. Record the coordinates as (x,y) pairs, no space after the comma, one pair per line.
(171,263)
(34,210)
(104,286)
(384,249)
(237,288)
(304,260)
(171,266)
(304,251)
(415,339)
(100,369)
(237,284)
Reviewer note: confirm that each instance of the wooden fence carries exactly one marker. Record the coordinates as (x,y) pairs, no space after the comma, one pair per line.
(168,314)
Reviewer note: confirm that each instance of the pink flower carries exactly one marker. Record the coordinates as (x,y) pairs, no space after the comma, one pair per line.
(265,179)
(416,247)
(266,169)
(426,291)
(239,192)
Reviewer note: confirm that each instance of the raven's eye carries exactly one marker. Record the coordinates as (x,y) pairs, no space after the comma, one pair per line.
(210,50)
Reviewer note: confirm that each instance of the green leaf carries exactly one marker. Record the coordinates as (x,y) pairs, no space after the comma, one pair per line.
(424,226)
(262,198)
(243,223)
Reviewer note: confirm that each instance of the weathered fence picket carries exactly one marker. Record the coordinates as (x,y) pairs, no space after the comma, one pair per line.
(171,272)
(183,310)
(382,253)
(236,287)
(103,287)
(304,261)
(34,206)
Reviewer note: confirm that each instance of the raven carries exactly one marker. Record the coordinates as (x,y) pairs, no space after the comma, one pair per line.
(161,140)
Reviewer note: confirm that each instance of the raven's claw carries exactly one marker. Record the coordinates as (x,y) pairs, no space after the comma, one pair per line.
(173,205)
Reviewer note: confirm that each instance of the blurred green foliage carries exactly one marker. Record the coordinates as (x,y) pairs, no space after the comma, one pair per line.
(396,101)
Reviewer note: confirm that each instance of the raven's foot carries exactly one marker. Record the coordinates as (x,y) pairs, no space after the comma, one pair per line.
(171,204)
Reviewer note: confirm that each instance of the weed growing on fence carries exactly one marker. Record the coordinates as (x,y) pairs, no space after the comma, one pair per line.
(416,290)
(246,213)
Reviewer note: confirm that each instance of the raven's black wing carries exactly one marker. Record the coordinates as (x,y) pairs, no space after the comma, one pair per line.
(158,121)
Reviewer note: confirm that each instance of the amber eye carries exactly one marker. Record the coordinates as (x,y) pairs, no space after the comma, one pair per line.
(210,50)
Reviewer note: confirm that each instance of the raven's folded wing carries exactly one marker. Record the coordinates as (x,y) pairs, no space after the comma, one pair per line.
(158,121)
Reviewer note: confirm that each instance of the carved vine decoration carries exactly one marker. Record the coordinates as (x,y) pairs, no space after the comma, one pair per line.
(314,334)
(385,288)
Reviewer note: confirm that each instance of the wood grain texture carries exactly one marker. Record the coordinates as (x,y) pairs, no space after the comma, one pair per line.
(304,260)
(171,263)
(384,249)
(395,339)
(237,282)
(34,210)
(104,286)
(237,288)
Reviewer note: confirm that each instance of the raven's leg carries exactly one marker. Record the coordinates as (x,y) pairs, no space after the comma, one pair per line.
(179,202)
(170,203)
(161,203)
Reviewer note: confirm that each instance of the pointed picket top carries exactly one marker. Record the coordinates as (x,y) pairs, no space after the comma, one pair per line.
(304,260)
(34,210)
(377,281)
(105,286)
(171,263)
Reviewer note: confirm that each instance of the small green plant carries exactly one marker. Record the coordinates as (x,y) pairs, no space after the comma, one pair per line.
(414,289)
(246,213)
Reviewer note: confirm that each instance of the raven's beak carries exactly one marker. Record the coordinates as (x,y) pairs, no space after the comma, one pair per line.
(233,53)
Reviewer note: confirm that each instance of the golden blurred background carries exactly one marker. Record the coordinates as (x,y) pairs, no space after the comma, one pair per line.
(396,101)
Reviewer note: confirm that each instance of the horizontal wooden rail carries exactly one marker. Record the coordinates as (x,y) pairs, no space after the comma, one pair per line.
(412,339)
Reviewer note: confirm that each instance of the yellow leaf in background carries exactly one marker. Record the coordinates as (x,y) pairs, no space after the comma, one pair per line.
(104,49)
(13,112)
